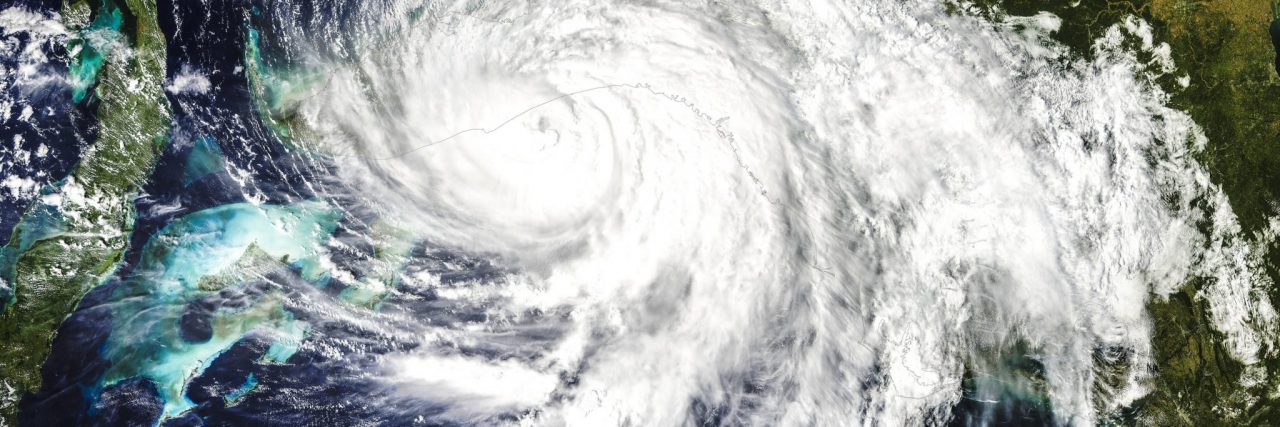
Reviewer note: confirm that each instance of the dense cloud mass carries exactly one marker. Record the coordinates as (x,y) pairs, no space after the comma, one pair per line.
(797,212)
(810,212)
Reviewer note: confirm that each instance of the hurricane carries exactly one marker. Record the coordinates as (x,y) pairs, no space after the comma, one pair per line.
(817,212)
(773,213)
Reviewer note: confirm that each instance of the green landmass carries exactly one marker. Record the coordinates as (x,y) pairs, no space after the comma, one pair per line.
(278,91)
(54,266)
(1223,48)
(254,264)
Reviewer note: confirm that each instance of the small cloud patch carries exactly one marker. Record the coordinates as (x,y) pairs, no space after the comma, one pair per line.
(188,81)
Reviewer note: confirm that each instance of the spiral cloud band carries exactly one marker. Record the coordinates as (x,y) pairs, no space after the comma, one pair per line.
(775,213)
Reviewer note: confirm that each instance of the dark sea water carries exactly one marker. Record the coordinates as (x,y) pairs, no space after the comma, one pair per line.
(57,123)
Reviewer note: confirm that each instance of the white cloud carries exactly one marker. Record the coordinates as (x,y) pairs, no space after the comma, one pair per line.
(188,81)
(894,192)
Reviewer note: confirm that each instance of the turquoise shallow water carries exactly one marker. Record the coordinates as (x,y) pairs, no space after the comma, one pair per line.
(146,338)
(95,43)
(205,158)
(41,222)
